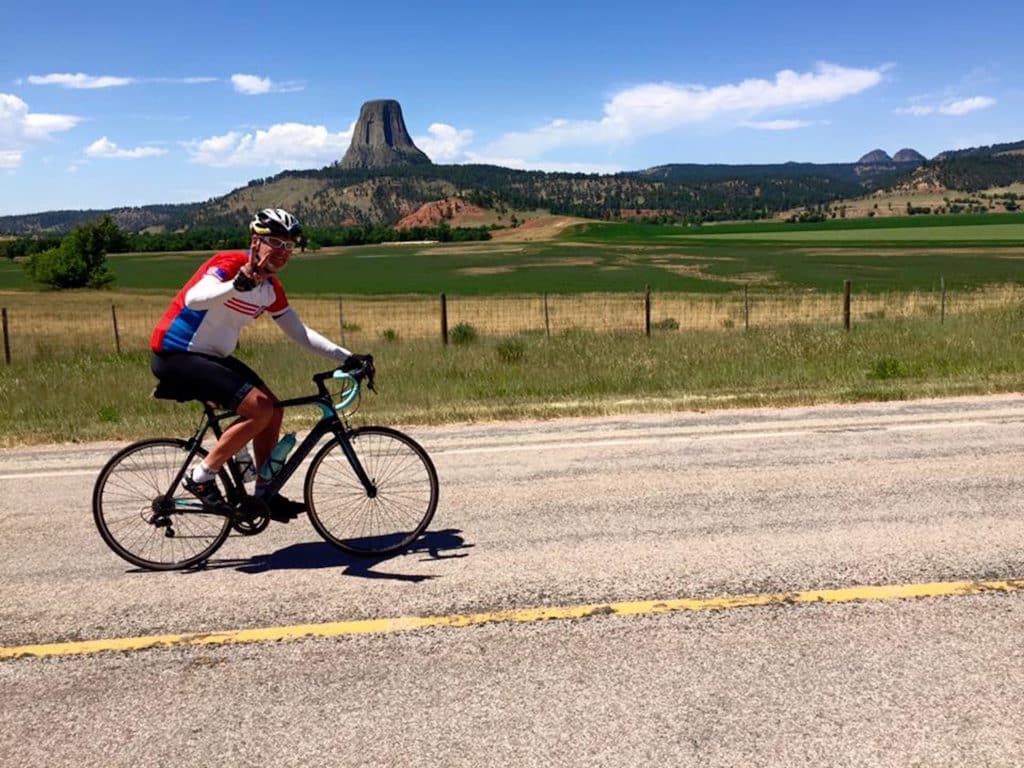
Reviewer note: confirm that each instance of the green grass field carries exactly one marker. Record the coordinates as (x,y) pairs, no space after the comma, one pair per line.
(58,390)
(912,253)
(94,395)
(839,228)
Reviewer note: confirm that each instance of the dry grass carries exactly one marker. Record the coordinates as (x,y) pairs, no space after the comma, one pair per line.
(56,323)
(538,228)
(894,202)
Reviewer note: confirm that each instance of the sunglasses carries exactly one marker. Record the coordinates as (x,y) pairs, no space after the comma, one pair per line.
(277,242)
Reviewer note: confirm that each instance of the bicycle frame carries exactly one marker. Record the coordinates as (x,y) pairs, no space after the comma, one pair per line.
(330,423)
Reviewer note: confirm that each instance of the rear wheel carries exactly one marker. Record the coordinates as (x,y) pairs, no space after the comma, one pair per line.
(144,525)
(393,514)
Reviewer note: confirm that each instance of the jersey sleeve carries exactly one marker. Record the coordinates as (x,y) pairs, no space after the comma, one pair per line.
(213,281)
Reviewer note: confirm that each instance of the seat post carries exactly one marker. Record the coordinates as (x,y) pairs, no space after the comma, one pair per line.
(211,419)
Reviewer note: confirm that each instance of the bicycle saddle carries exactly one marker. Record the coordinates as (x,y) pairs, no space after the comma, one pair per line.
(165,391)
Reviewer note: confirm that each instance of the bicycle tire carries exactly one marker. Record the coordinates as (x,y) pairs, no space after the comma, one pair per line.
(407,491)
(135,520)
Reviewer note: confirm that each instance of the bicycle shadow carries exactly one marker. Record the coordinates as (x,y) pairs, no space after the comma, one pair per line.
(436,545)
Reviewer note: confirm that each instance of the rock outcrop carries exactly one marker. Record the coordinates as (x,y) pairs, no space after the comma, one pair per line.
(908,156)
(875,157)
(381,140)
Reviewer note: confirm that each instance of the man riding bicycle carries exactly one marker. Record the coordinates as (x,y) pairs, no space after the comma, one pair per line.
(193,342)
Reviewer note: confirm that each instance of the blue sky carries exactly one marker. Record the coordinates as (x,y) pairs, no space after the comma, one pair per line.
(118,103)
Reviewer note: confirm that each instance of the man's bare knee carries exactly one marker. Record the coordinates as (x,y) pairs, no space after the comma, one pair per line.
(257,406)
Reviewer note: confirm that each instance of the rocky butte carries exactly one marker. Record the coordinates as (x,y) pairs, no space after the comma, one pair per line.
(381,140)
(880,157)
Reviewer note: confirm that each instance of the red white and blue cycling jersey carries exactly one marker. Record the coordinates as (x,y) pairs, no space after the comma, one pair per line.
(208,314)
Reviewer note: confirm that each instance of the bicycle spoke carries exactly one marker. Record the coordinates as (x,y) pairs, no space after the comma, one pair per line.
(406,492)
(139,523)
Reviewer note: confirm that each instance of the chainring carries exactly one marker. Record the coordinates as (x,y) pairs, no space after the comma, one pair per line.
(252,516)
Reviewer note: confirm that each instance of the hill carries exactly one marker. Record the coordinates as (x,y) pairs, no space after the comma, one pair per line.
(972,170)
(335,196)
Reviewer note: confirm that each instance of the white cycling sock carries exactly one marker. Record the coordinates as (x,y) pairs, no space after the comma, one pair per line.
(201,473)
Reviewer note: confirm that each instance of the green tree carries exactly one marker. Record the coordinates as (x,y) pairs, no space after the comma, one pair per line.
(80,261)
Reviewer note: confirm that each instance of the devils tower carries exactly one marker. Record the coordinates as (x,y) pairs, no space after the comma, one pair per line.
(380,139)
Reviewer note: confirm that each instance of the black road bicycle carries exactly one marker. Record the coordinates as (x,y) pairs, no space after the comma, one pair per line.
(369,490)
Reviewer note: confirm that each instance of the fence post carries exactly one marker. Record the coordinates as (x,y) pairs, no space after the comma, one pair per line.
(547,317)
(117,336)
(746,309)
(341,324)
(942,305)
(846,304)
(647,310)
(444,320)
(7,338)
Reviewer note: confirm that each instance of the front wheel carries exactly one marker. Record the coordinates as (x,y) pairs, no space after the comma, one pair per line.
(389,517)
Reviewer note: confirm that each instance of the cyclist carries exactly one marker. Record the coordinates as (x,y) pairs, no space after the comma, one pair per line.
(193,342)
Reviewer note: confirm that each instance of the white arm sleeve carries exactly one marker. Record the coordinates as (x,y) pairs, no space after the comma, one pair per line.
(208,292)
(290,323)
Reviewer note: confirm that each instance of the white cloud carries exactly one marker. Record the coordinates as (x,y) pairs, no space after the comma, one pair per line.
(285,145)
(251,85)
(80,80)
(963,106)
(777,125)
(20,128)
(653,108)
(954,108)
(448,144)
(105,148)
(445,143)
(40,126)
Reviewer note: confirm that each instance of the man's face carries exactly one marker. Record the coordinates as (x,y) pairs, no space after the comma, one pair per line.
(271,253)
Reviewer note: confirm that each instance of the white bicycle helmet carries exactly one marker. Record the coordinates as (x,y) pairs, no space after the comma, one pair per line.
(276,221)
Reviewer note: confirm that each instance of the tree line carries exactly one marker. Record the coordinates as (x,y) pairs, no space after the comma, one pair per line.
(78,259)
(232,239)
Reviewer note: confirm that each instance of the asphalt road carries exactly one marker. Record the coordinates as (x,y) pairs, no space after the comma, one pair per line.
(560,514)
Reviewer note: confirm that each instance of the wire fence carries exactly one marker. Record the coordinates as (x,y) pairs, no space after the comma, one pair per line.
(59,324)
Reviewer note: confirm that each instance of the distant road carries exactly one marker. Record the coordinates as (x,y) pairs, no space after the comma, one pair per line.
(619,519)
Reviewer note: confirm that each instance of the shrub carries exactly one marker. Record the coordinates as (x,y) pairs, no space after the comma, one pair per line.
(666,324)
(511,350)
(80,259)
(463,333)
(389,334)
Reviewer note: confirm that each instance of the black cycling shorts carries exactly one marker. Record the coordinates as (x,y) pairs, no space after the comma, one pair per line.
(224,381)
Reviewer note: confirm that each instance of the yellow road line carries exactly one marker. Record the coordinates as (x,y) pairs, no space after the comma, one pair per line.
(521,616)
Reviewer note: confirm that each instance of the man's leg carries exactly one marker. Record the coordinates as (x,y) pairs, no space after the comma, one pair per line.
(258,420)
(263,442)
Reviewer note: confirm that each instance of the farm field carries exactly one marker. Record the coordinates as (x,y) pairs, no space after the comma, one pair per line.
(911,254)
(557,327)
